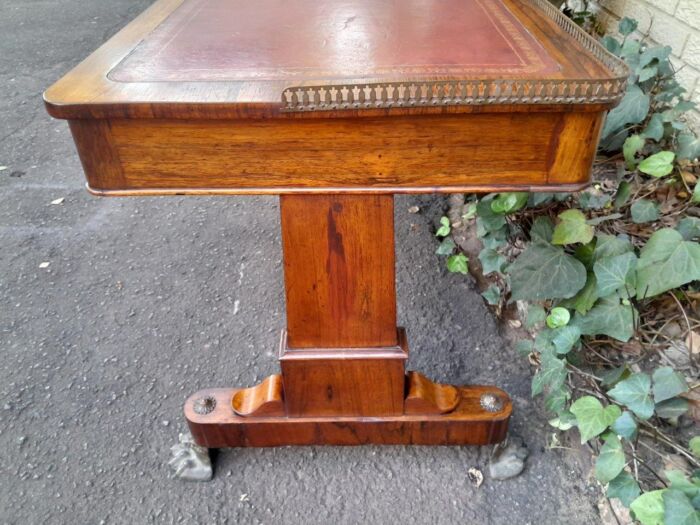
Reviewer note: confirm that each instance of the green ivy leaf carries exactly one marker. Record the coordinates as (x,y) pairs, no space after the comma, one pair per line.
(586,254)
(627,26)
(572,228)
(615,273)
(694,446)
(458,263)
(543,342)
(678,481)
(611,460)
(633,145)
(624,190)
(558,317)
(625,426)
(544,271)
(658,165)
(446,246)
(584,300)
(635,393)
(630,52)
(609,317)
(551,375)
(509,202)
(565,338)
(549,378)
(535,315)
(648,508)
(592,419)
(624,487)
(542,229)
(672,408)
(688,146)
(555,401)
(491,261)
(615,375)
(655,128)
(666,262)
(444,228)
(667,384)
(658,53)
(648,72)
(612,45)
(495,239)
(696,194)
(609,246)
(486,218)
(632,109)
(689,227)
(593,199)
(644,210)
(564,421)
(678,510)
(492,295)
(539,198)
(471,211)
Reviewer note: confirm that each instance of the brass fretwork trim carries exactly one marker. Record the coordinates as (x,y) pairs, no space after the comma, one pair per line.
(409,93)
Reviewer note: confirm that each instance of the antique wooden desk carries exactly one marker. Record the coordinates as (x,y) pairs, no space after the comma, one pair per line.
(335,105)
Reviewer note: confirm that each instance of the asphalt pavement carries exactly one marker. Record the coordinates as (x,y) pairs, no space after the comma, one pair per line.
(112,311)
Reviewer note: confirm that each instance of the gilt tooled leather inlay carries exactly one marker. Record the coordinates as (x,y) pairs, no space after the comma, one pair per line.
(301,40)
(482,91)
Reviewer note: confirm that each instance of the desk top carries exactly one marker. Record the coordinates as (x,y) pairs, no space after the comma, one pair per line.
(269,58)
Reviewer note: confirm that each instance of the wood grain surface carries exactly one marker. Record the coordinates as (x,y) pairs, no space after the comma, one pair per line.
(401,154)
(467,424)
(345,381)
(339,270)
(263,399)
(89,92)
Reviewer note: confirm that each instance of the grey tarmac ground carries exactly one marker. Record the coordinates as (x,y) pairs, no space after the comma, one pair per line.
(147,300)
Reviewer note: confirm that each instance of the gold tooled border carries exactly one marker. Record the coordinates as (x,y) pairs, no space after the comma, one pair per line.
(333,97)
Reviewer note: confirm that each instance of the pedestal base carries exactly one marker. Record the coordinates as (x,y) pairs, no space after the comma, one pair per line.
(468,424)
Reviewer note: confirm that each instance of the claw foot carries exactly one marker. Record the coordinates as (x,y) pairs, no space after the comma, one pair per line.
(190,461)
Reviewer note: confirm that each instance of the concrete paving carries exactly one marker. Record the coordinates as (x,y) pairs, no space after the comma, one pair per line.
(147,300)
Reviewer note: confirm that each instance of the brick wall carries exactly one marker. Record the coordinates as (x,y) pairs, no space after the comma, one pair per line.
(674,23)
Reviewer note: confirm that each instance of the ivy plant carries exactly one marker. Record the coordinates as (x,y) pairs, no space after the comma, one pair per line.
(582,270)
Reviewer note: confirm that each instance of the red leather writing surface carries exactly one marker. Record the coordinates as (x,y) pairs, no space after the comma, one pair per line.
(210,40)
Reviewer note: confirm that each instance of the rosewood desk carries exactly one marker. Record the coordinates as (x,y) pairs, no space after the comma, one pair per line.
(336,105)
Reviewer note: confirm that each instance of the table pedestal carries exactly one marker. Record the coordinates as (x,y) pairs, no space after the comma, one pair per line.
(342,358)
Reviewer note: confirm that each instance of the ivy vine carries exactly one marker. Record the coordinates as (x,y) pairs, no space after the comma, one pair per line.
(592,270)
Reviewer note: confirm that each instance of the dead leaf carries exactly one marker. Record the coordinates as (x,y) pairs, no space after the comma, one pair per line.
(688,177)
(633,347)
(475,477)
(693,397)
(413,209)
(692,341)
(533,358)
(675,462)
(613,512)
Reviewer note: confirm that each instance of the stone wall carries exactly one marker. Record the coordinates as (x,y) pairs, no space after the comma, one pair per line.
(674,23)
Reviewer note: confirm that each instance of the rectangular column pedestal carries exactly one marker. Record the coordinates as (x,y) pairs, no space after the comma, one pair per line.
(343,379)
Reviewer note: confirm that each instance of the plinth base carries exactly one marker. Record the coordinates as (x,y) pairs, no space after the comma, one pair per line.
(218,426)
